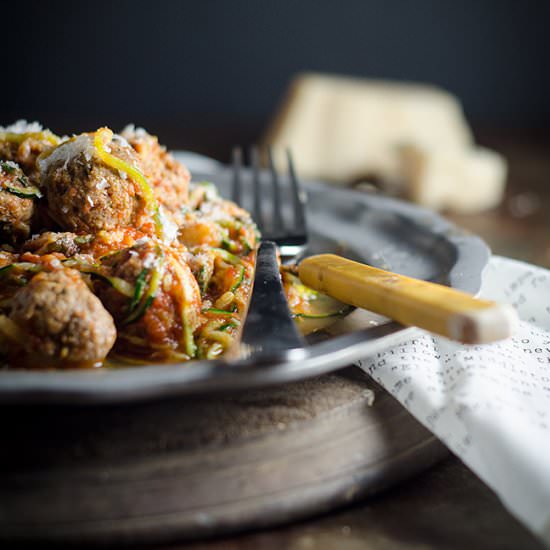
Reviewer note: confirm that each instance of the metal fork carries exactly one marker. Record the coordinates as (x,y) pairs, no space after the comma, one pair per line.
(269,328)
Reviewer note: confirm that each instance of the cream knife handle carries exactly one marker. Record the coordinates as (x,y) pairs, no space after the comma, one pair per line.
(430,306)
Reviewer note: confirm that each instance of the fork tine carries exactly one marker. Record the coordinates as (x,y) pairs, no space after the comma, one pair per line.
(256,188)
(237,170)
(291,238)
(278,223)
(297,198)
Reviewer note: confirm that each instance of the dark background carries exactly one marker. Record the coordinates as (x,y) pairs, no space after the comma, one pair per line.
(207,73)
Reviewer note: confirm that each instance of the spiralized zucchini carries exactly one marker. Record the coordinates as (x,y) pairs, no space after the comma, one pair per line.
(144,295)
(312,310)
(102,138)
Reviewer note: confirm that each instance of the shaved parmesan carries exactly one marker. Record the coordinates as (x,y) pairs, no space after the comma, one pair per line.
(82,144)
(22,127)
(170,229)
(130,131)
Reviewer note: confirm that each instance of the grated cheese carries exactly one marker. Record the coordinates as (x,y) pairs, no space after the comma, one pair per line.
(130,130)
(122,141)
(22,127)
(149,261)
(102,184)
(170,229)
(67,151)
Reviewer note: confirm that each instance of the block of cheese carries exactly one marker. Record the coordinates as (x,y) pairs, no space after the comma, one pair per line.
(461,180)
(343,128)
(346,129)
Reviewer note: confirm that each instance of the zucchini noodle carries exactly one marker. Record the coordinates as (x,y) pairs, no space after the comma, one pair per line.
(186,311)
(211,332)
(103,137)
(140,304)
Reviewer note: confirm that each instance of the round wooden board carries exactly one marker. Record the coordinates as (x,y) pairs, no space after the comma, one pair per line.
(203,466)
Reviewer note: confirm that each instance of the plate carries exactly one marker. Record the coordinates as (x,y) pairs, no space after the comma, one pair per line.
(381,231)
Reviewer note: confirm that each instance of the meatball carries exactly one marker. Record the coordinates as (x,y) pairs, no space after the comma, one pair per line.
(62,320)
(16,210)
(86,195)
(163,308)
(23,143)
(168,177)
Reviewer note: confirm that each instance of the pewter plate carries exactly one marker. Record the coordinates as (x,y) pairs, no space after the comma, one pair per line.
(365,226)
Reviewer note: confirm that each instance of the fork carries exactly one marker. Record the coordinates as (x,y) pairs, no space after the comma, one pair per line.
(269,329)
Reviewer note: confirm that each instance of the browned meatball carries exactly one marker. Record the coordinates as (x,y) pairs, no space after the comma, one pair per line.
(86,195)
(168,177)
(62,320)
(16,211)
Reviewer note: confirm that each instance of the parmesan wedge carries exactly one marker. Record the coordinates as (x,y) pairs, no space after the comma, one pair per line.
(412,138)
(464,181)
(343,128)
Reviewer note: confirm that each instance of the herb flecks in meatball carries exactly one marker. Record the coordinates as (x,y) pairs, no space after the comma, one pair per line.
(62,321)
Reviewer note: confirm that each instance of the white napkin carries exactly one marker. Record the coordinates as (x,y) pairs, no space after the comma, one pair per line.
(489,404)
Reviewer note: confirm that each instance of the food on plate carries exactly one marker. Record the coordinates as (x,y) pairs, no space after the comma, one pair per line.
(23,143)
(86,192)
(56,316)
(17,205)
(168,177)
(107,250)
(164,308)
(312,310)
(47,242)
(109,254)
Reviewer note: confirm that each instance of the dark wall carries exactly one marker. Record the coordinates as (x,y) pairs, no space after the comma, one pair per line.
(215,63)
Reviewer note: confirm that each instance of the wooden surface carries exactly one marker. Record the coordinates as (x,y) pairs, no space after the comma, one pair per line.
(203,466)
(446,507)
